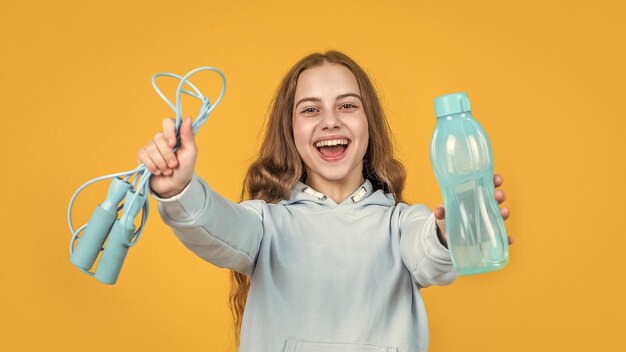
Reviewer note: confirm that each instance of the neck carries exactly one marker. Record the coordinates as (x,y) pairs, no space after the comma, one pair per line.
(339,190)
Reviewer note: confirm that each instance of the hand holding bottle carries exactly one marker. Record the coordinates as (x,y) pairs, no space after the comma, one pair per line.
(171,171)
(500,197)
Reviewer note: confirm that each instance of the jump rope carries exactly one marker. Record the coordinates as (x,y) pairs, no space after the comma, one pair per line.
(114,222)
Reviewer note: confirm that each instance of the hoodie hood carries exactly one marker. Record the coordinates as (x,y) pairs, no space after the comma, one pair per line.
(363,196)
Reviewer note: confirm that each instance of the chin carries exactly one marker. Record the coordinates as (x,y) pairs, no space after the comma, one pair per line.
(336,173)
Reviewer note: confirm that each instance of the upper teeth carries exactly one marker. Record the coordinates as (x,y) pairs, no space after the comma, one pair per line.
(331,142)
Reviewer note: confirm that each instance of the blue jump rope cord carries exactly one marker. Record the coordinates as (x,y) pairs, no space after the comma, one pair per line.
(142,174)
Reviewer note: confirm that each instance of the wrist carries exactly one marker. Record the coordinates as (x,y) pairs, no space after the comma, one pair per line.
(168,194)
(172,193)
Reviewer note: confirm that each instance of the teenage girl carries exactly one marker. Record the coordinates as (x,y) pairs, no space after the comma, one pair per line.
(325,256)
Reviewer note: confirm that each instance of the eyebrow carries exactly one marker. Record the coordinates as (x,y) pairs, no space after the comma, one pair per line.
(337,98)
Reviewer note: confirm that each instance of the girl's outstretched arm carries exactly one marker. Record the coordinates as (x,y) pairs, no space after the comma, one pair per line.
(219,231)
(424,255)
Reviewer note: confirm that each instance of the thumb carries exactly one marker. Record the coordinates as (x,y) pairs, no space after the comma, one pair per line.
(440,212)
(187,138)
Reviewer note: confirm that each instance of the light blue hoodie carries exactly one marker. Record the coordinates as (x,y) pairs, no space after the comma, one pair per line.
(325,277)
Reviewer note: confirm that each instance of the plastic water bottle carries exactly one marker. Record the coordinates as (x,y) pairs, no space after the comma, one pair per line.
(463,163)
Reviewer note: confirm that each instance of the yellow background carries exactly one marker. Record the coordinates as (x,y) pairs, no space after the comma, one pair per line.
(546,80)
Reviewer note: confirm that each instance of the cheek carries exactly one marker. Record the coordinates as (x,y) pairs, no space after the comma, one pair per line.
(300,135)
(362,133)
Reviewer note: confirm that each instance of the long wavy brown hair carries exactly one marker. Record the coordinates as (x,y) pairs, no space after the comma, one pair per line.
(278,166)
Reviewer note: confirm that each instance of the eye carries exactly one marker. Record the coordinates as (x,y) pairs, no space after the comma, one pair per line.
(347,106)
(309,110)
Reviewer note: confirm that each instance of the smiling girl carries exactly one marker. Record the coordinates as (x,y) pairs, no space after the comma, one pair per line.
(324,253)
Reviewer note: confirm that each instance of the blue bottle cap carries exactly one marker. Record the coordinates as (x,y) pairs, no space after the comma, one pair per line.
(453,103)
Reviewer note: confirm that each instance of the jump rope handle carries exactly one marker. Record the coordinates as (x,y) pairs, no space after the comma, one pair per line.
(121,234)
(99,226)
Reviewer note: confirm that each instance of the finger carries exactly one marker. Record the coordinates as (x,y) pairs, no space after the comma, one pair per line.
(510,239)
(498,180)
(500,196)
(165,150)
(169,131)
(187,138)
(157,158)
(144,159)
(506,213)
(440,212)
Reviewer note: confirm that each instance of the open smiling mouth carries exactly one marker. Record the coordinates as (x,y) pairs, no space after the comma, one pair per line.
(332,150)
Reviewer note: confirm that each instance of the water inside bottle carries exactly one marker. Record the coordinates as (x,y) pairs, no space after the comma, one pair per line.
(476,240)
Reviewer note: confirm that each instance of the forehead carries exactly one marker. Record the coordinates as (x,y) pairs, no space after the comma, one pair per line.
(327,80)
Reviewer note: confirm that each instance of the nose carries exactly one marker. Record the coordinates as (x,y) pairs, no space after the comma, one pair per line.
(330,121)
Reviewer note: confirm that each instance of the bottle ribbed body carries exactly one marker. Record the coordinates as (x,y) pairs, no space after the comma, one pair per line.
(462,160)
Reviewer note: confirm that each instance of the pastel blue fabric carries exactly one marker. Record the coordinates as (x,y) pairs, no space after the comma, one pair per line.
(324,276)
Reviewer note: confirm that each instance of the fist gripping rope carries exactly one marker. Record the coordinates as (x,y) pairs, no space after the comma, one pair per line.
(104,224)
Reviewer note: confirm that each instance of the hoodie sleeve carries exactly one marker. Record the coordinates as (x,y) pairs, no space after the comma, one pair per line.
(219,231)
(426,258)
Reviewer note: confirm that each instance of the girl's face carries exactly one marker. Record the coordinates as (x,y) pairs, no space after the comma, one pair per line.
(329,124)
